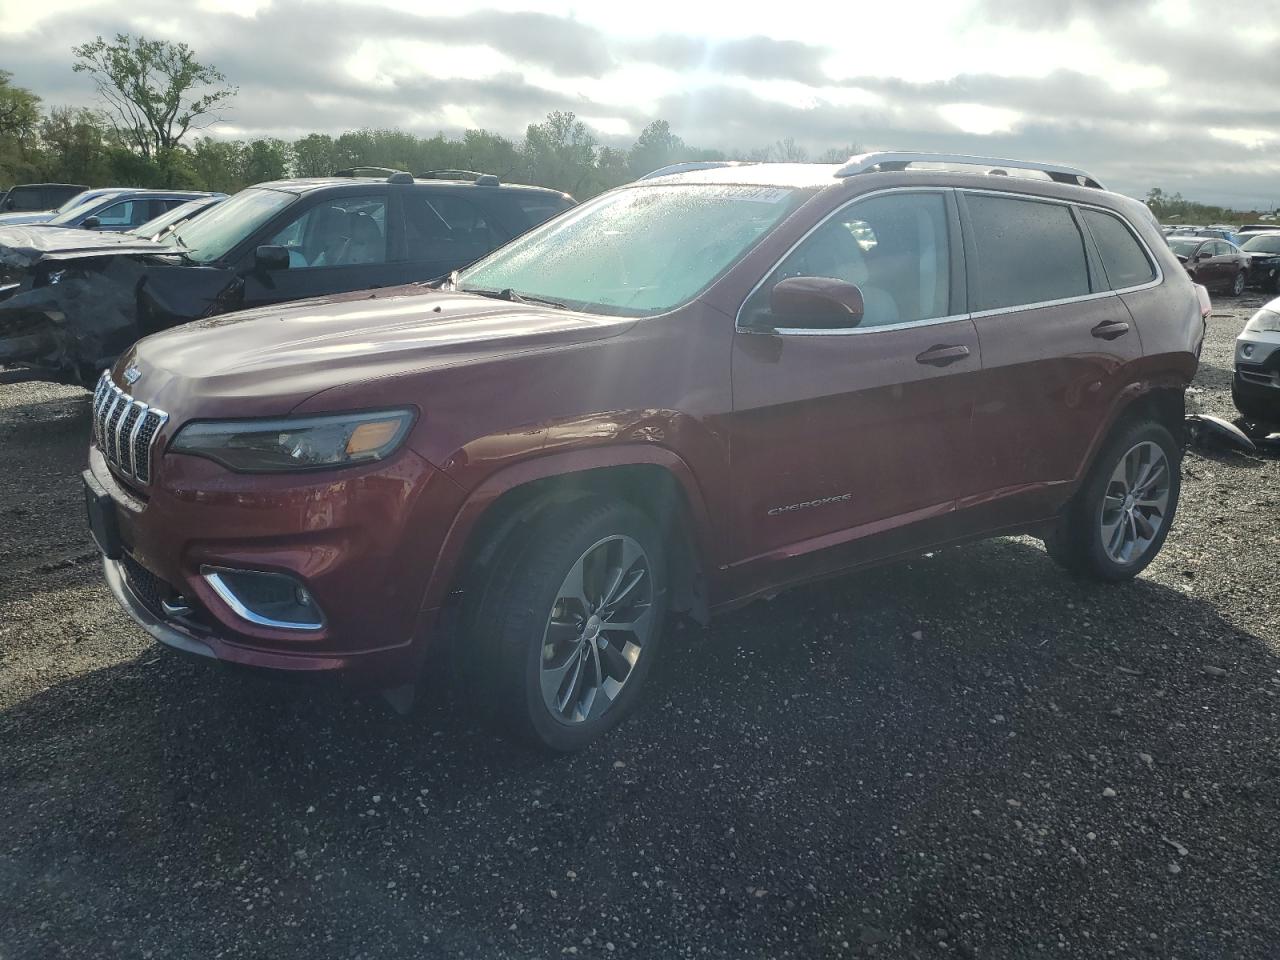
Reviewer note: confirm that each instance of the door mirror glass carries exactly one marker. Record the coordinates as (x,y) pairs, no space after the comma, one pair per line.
(820,302)
(91,223)
(271,257)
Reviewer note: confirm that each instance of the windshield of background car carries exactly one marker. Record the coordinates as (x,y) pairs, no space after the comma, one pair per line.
(215,232)
(84,196)
(157,225)
(76,213)
(636,251)
(1269,244)
(1184,247)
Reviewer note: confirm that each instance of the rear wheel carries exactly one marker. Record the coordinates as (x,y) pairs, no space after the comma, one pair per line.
(569,623)
(1237,285)
(1118,520)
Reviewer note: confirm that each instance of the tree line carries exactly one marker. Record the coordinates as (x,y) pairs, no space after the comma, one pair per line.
(156,100)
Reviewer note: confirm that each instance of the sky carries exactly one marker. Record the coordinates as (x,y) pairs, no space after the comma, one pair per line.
(1142,93)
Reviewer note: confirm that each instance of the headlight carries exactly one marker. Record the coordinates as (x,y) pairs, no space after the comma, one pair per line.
(1264,321)
(295,443)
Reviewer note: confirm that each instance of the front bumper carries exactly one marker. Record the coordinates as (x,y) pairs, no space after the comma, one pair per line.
(1255,387)
(1263,274)
(361,542)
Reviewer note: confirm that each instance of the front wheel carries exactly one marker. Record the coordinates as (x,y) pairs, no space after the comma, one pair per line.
(1118,520)
(569,623)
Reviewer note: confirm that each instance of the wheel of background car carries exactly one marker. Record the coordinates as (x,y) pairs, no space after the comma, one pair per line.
(567,625)
(1237,285)
(1118,520)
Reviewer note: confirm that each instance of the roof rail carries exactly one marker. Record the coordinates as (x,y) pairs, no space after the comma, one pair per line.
(688,165)
(896,160)
(368,172)
(479,179)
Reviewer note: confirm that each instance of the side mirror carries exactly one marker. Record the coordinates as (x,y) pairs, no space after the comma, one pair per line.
(816,302)
(91,223)
(1204,255)
(268,257)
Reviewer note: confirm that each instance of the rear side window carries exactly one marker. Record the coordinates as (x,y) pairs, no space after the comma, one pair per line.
(441,227)
(1123,258)
(1028,252)
(538,207)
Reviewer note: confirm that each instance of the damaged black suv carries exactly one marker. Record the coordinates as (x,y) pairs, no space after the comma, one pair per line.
(69,307)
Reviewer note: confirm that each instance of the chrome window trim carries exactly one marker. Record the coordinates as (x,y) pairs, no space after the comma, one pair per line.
(849,331)
(1017,308)
(818,331)
(212,576)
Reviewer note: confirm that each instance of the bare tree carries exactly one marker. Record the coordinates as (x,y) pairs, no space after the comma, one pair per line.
(155,91)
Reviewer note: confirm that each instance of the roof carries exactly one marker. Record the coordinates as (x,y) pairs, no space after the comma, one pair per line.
(758,175)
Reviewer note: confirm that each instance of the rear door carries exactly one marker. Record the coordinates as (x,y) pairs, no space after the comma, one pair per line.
(1057,344)
(335,244)
(842,433)
(445,231)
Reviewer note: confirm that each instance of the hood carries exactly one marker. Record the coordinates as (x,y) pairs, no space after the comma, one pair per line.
(22,245)
(1260,255)
(35,216)
(265,362)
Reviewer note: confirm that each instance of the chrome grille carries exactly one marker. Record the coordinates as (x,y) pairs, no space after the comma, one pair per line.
(124,429)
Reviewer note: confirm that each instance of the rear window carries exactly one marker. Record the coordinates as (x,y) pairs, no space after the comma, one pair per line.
(1123,258)
(1028,252)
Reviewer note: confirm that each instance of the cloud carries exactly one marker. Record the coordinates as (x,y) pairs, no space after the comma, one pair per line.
(335,65)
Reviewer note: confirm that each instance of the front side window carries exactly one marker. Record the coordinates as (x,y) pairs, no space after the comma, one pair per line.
(337,233)
(1028,252)
(1184,246)
(217,232)
(636,251)
(1123,258)
(894,248)
(127,213)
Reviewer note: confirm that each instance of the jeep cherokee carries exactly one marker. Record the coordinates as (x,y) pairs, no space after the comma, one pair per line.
(687,393)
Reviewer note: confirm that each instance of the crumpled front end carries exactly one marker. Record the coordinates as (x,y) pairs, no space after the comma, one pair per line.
(65,320)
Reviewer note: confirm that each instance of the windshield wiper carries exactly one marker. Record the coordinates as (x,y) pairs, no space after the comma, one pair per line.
(513,296)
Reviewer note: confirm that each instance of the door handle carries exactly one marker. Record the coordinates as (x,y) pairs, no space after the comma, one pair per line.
(1110,329)
(940,355)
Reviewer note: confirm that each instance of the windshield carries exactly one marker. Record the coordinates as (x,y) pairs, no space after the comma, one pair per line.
(635,251)
(76,213)
(158,225)
(1265,244)
(84,196)
(213,234)
(1185,246)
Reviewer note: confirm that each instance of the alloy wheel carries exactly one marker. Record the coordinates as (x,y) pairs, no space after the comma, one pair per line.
(1135,504)
(1237,285)
(597,629)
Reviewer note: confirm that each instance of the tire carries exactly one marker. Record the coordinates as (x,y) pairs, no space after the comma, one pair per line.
(537,642)
(1237,285)
(1105,536)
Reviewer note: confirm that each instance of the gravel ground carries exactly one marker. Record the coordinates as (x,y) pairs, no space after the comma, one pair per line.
(965,755)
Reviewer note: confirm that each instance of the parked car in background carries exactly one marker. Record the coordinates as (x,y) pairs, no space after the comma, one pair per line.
(1263,251)
(1216,264)
(689,392)
(44,216)
(29,197)
(67,309)
(123,210)
(1218,232)
(1255,389)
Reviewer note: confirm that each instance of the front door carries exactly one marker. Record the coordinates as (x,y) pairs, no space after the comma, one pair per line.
(838,434)
(335,245)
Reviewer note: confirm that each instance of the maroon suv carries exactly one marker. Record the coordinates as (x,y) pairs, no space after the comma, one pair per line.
(685,394)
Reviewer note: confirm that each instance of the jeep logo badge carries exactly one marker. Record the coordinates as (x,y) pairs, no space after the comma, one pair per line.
(131,375)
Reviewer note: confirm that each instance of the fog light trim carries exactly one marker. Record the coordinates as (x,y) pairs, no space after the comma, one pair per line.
(217,578)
